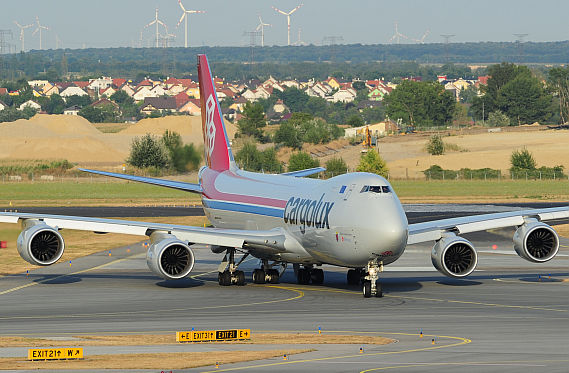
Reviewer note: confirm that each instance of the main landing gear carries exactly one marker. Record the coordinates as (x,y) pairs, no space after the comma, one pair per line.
(268,274)
(228,272)
(368,278)
(309,274)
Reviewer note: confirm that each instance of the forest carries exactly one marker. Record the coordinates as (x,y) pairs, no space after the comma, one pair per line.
(298,62)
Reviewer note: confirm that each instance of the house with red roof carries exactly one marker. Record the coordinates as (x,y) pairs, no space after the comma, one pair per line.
(118,82)
(191,107)
(3,91)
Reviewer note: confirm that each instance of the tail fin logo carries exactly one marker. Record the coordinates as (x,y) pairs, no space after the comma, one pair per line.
(210,125)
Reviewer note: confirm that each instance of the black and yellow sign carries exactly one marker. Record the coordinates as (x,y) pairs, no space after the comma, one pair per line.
(213,335)
(55,353)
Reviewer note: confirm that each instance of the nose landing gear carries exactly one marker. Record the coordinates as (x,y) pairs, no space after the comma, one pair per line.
(371,287)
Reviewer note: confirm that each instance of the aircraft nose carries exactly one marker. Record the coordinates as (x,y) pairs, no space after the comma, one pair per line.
(394,232)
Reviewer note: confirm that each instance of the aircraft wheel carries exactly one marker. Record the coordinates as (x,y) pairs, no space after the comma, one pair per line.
(379,291)
(258,276)
(317,276)
(224,278)
(240,275)
(367,289)
(273,276)
(353,277)
(303,277)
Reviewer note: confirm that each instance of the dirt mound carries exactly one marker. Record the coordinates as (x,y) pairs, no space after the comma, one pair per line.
(75,139)
(185,125)
(43,125)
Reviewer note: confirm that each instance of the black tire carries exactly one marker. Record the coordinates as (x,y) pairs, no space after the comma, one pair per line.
(240,275)
(303,277)
(353,277)
(317,276)
(379,290)
(273,276)
(258,276)
(225,278)
(367,289)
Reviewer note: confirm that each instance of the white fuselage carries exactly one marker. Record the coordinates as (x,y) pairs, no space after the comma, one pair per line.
(335,221)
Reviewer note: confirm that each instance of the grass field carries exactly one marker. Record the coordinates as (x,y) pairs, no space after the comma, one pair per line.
(86,193)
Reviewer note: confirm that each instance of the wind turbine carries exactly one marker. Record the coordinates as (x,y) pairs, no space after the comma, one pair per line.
(39,28)
(185,17)
(422,39)
(288,18)
(22,28)
(261,27)
(397,36)
(156,22)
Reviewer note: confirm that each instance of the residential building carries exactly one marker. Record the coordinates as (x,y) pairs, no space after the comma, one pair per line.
(73,110)
(158,104)
(3,106)
(31,104)
(72,91)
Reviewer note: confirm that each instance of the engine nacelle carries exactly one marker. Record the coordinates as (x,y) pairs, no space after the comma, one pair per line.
(454,256)
(40,244)
(168,257)
(536,242)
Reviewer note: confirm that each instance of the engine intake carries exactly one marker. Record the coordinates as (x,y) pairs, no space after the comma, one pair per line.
(169,257)
(40,244)
(454,256)
(536,242)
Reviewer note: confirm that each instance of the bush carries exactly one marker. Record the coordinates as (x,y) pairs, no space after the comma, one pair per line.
(251,159)
(436,146)
(522,159)
(335,167)
(498,119)
(301,161)
(148,151)
(436,172)
(182,157)
(372,162)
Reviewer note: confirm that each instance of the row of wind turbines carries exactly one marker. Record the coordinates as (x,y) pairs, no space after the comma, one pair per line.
(156,22)
(39,29)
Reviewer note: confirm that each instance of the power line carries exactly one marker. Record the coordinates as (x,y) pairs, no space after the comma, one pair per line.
(520,45)
(447,38)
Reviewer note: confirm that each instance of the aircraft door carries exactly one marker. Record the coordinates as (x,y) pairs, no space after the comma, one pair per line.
(349,192)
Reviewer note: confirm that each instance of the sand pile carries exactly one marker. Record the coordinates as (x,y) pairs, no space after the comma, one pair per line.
(55,137)
(75,139)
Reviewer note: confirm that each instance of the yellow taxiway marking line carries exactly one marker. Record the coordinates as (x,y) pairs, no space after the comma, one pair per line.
(480,363)
(60,276)
(299,294)
(435,299)
(462,341)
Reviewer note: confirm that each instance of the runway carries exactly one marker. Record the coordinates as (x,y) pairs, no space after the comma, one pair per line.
(510,315)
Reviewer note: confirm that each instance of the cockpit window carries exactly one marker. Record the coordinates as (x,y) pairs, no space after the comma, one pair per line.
(376,189)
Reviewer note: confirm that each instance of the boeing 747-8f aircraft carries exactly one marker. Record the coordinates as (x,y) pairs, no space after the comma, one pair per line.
(354,221)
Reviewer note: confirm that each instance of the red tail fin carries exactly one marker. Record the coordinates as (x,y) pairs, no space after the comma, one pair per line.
(218,154)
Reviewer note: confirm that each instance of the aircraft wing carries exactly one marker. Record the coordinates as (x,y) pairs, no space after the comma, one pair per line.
(306,172)
(188,187)
(434,230)
(270,241)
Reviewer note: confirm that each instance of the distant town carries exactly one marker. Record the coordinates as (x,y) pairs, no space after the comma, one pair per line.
(174,96)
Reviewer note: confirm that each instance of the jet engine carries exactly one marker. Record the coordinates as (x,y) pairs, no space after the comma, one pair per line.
(536,242)
(169,257)
(454,256)
(40,244)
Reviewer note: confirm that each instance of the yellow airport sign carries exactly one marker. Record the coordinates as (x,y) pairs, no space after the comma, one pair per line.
(213,335)
(55,353)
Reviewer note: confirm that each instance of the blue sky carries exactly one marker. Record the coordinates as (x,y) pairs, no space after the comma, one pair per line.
(106,23)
